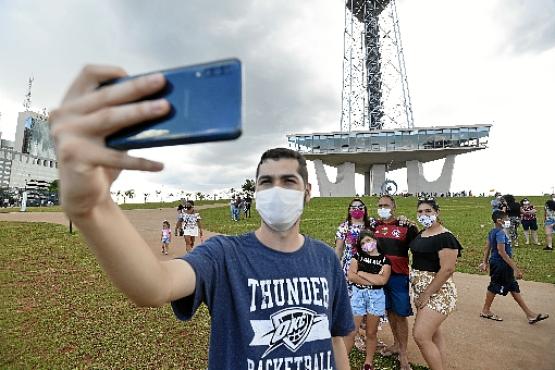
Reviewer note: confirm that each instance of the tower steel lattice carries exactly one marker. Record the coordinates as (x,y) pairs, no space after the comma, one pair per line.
(375,87)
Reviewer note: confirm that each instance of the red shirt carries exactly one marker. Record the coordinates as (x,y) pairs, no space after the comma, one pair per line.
(393,241)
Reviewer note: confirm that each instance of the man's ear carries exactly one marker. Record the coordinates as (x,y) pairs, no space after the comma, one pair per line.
(307,192)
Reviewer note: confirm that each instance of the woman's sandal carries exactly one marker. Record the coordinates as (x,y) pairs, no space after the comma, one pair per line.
(491,316)
(540,317)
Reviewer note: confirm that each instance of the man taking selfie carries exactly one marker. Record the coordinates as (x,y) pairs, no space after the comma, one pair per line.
(277,298)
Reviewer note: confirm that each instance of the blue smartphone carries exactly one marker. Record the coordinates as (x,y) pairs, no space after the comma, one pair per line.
(206,105)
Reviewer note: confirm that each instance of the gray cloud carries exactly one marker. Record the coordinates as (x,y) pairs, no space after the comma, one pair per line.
(529,25)
(284,91)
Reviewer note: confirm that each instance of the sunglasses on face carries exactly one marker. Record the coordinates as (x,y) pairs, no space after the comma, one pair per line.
(361,207)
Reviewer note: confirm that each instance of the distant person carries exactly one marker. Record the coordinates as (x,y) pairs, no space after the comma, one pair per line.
(498,203)
(237,208)
(254,285)
(434,255)
(232,208)
(241,207)
(191,225)
(513,211)
(179,220)
(529,221)
(166,236)
(395,235)
(248,204)
(368,272)
(503,270)
(549,222)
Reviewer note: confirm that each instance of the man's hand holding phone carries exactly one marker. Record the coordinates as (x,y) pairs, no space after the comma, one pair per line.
(81,124)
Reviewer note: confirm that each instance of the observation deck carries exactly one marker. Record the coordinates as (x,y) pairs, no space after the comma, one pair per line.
(394,148)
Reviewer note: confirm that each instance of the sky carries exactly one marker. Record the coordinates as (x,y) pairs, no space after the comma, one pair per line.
(471,62)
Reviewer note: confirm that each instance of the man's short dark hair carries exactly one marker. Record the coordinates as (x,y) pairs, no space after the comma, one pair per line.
(498,215)
(284,153)
(390,198)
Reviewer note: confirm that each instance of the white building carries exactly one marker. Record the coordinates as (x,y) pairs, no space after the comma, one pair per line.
(31,157)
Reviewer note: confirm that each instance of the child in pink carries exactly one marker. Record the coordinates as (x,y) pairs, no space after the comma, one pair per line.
(166,236)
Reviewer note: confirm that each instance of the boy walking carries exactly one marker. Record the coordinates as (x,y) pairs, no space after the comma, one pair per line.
(503,270)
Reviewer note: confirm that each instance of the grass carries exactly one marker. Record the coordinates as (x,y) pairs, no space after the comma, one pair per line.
(59,311)
(468,218)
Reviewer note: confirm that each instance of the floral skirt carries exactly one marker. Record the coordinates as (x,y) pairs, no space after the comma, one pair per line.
(444,300)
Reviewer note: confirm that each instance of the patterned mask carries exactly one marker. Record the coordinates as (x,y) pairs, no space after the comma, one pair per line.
(427,220)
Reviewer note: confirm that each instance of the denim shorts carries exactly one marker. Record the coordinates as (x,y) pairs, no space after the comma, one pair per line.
(368,301)
(549,222)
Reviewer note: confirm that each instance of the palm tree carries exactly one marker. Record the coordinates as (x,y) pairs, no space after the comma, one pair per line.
(146,196)
(158,192)
(129,193)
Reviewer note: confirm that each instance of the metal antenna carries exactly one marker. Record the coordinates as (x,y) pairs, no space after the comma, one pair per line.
(27,101)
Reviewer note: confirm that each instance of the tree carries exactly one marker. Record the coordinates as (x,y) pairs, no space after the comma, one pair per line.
(249,186)
(187,196)
(146,196)
(129,193)
(158,192)
(199,196)
(53,186)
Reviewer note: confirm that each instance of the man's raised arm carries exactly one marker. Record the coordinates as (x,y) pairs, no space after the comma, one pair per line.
(88,168)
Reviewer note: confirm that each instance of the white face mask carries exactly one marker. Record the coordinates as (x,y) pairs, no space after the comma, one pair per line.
(507,224)
(279,208)
(384,213)
(427,220)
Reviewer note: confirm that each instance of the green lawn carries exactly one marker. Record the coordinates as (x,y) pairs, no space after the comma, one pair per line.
(468,218)
(58,310)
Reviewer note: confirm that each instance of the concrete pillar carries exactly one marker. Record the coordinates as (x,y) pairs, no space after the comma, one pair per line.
(378,178)
(344,185)
(367,182)
(417,182)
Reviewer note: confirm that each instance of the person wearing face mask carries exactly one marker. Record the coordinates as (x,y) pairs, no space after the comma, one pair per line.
(529,221)
(258,286)
(513,211)
(347,234)
(503,270)
(191,225)
(369,271)
(549,222)
(434,251)
(394,235)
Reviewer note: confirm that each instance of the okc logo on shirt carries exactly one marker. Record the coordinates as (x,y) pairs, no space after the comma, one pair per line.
(291,327)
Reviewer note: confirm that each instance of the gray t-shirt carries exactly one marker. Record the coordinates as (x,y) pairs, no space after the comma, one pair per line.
(269,309)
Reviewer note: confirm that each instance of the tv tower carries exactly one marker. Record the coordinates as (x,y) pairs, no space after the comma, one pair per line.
(376,132)
(375,87)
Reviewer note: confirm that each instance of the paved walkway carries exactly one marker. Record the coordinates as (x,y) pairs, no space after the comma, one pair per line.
(473,343)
